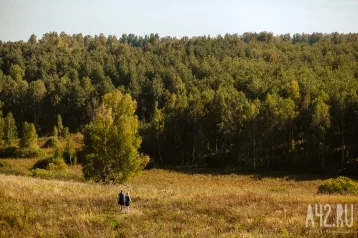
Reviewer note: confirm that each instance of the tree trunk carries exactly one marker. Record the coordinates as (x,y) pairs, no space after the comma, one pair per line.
(343,146)
(254,149)
(35,114)
(322,155)
(193,153)
(159,151)
(268,160)
(216,145)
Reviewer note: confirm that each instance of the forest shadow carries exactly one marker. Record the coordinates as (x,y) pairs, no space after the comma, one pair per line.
(256,175)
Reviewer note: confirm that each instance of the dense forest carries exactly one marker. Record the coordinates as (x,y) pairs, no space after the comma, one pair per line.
(255,100)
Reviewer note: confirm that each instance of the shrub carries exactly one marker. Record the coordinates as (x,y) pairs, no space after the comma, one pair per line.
(41,164)
(28,142)
(52,142)
(58,153)
(29,136)
(8,152)
(340,185)
(51,163)
(56,164)
(43,173)
(59,174)
(28,152)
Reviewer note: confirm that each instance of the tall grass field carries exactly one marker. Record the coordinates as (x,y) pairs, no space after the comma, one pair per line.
(167,203)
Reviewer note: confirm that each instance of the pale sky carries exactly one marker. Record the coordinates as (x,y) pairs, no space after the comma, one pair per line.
(21,18)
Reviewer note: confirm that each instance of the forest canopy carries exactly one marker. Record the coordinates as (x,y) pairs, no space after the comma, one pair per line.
(256,100)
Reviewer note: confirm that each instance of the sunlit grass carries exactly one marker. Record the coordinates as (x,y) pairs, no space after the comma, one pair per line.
(165,204)
(22,166)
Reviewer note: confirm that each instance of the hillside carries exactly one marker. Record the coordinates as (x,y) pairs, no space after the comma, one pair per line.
(255,100)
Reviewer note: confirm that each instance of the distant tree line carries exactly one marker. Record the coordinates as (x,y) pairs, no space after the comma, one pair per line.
(255,100)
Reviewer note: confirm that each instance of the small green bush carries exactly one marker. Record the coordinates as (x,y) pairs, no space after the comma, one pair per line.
(52,142)
(60,174)
(340,185)
(57,164)
(28,152)
(51,164)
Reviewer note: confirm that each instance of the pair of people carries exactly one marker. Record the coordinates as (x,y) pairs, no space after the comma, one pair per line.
(124,200)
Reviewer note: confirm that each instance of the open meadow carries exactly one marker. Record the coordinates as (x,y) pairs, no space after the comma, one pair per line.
(166,203)
(209,118)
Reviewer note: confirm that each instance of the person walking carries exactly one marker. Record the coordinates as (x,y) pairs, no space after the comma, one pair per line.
(128,201)
(121,199)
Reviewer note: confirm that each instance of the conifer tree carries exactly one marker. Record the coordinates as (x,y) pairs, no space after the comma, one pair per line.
(10,130)
(59,125)
(29,136)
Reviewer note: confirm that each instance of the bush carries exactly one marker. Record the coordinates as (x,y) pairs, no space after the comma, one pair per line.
(42,173)
(28,152)
(52,164)
(8,152)
(340,185)
(60,174)
(52,142)
(58,153)
(41,164)
(57,164)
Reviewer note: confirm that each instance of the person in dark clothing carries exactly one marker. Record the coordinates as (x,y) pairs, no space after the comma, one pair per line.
(128,201)
(121,199)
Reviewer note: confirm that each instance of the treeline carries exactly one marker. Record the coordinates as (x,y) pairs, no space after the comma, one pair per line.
(254,100)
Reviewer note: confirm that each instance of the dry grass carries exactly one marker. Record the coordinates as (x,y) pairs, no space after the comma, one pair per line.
(17,166)
(165,204)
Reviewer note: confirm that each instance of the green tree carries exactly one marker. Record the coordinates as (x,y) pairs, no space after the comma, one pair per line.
(17,73)
(69,154)
(158,121)
(65,132)
(32,39)
(321,122)
(252,123)
(55,131)
(29,136)
(14,96)
(37,92)
(59,125)
(10,130)
(207,89)
(2,126)
(276,115)
(112,141)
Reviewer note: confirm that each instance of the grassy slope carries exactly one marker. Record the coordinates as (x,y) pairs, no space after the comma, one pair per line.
(165,204)
(17,166)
